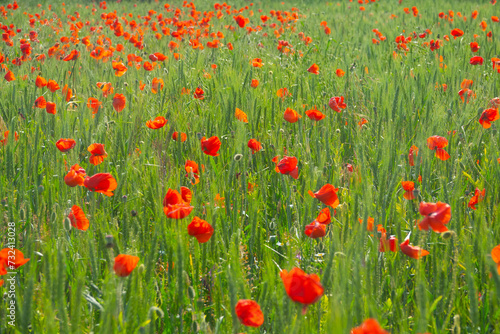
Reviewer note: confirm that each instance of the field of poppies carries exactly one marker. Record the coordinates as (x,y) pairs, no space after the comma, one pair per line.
(267,167)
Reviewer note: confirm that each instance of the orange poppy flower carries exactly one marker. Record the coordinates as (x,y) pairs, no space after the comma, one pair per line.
(67,92)
(291,115)
(53,86)
(408,187)
(176,205)
(93,104)
(466,83)
(6,260)
(148,66)
(488,116)
(388,245)
(369,326)
(287,166)
(314,69)
(103,183)
(9,76)
(119,101)
(283,93)
(339,72)
(192,171)
(315,114)
(78,219)
(456,33)
(301,287)
(362,122)
(50,108)
(40,102)
(369,223)
(254,145)
(436,216)
(98,154)
(200,229)
(412,251)
(241,116)
(495,255)
(249,313)
(156,85)
(211,145)
(75,176)
(157,56)
(256,62)
(40,82)
(315,230)
(337,103)
(477,198)
(106,88)
(183,136)
(326,195)
(468,93)
(158,123)
(324,217)
(73,55)
(125,264)
(199,93)
(255,83)
(120,68)
(64,145)
(438,143)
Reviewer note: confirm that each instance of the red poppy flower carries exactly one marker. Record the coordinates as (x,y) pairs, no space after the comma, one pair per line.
(211,145)
(339,72)
(98,154)
(241,116)
(474,46)
(254,145)
(456,33)
(40,82)
(249,313)
(370,221)
(200,229)
(64,145)
(438,143)
(468,93)
(256,62)
(6,260)
(466,83)
(477,198)
(315,114)
(291,115)
(436,216)
(157,57)
(283,93)
(73,55)
(158,123)
(408,187)
(192,171)
(391,244)
(176,205)
(301,287)
(488,116)
(254,83)
(327,195)
(370,326)
(182,135)
(106,88)
(103,183)
(241,21)
(199,93)
(287,166)
(78,219)
(362,122)
(156,85)
(40,102)
(125,264)
(93,104)
(50,108)
(324,217)
(495,255)
(412,251)
(119,101)
(75,176)
(9,76)
(314,69)
(476,60)
(67,93)
(337,103)
(120,68)
(315,230)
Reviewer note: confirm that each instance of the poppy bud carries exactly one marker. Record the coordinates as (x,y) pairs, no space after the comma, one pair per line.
(67,224)
(294,188)
(238,157)
(21,214)
(124,198)
(109,241)
(199,135)
(4,201)
(447,235)
(133,213)
(232,134)
(191,293)
(195,327)
(141,268)
(40,188)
